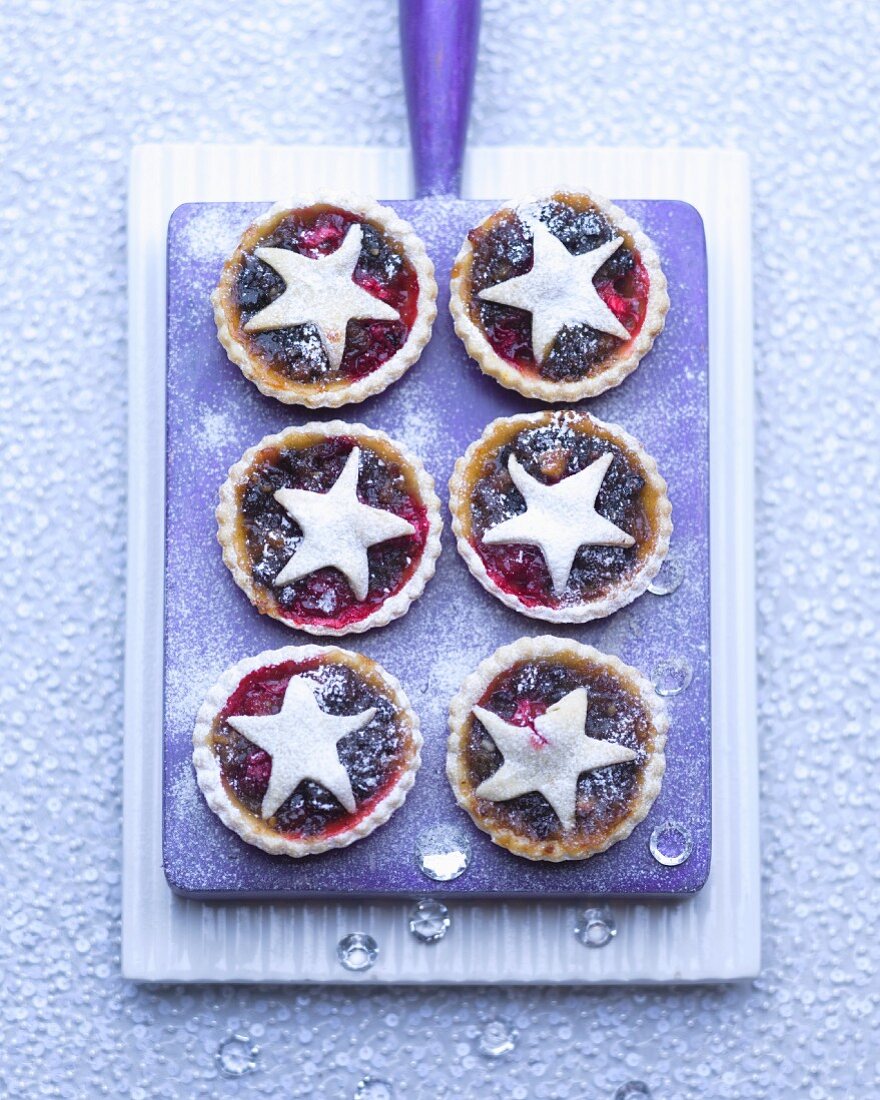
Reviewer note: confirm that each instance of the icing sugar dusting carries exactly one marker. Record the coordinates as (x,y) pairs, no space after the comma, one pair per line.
(419,430)
(215,430)
(441,405)
(212,232)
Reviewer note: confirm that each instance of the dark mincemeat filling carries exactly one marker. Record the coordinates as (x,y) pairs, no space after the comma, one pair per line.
(549,454)
(271,534)
(371,756)
(504,250)
(613,714)
(297,352)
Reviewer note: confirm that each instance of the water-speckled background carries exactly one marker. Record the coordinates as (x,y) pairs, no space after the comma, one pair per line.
(797,87)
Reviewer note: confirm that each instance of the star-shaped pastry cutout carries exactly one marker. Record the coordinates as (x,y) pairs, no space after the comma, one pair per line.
(558,290)
(320,291)
(549,759)
(559,519)
(301,739)
(337,530)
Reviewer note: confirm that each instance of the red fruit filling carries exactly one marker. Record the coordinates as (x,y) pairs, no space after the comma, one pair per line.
(527,710)
(373,757)
(502,250)
(551,453)
(614,712)
(272,535)
(296,352)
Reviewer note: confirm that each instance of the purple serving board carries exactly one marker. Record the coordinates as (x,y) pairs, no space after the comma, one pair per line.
(438,408)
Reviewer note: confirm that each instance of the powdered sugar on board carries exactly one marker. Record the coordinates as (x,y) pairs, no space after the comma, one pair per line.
(437,409)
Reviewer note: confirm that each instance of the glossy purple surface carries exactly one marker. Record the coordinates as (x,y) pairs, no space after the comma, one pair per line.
(438,408)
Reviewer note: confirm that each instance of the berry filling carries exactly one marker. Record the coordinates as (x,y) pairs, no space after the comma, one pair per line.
(502,249)
(297,352)
(551,453)
(614,713)
(271,535)
(374,757)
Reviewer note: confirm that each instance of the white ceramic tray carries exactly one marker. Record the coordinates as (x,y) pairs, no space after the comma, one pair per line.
(712,937)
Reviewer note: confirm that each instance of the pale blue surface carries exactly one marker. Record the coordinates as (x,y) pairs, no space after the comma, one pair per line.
(797,87)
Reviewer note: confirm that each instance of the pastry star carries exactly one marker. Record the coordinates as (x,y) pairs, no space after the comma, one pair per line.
(320,291)
(337,530)
(301,739)
(559,519)
(558,290)
(549,760)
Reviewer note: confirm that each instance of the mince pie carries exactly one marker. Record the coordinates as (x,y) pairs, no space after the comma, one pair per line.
(306,748)
(559,515)
(555,749)
(558,297)
(326,300)
(330,528)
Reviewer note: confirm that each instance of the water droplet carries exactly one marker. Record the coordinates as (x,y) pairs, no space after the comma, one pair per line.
(357,951)
(443,852)
(236,1056)
(374,1088)
(498,1037)
(670,843)
(633,1090)
(668,579)
(335,1083)
(429,920)
(672,675)
(595,927)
